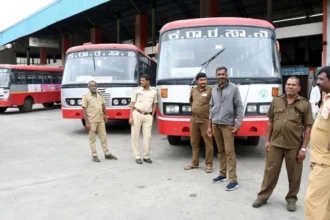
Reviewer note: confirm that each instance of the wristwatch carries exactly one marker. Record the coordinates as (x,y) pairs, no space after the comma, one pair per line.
(303,149)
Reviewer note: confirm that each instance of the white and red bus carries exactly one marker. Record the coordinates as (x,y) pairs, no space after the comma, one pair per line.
(22,86)
(250,52)
(116,68)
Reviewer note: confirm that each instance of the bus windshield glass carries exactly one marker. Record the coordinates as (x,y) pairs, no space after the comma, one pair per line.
(4,78)
(103,66)
(249,52)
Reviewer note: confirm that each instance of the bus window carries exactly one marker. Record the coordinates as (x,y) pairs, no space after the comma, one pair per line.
(20,77)
(57,79)
(12,78)
(41,78)
(31,77)
(48,79)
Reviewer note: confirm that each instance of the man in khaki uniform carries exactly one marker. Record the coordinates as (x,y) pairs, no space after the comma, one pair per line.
(200,107)
(288,130)
(317,202)
(94,111)
(143,108)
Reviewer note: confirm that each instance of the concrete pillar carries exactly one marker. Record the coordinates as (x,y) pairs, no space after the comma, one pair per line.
(209,8)
(28,56)
(153,23)
(66,44)
(96,36)
(270,11)
(141,31)
(43,55)
(118,30)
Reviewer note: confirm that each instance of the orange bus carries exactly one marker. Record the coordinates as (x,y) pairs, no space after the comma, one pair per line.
(22,86)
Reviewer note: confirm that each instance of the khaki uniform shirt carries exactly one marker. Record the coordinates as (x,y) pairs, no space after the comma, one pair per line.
(93,105)
(289,121)
(200,104)
(320,140)
(144,98)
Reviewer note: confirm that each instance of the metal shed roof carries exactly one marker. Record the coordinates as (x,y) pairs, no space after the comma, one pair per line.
(54,12)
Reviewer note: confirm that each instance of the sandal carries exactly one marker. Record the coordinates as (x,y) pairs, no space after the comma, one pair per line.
(208,170)
(190,167)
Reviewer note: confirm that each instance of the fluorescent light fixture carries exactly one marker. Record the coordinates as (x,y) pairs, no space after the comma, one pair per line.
(316,15)
(290,19)
(297,18)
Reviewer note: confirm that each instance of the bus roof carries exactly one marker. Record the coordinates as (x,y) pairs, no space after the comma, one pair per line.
(105,46)
(31,67)
(216,21)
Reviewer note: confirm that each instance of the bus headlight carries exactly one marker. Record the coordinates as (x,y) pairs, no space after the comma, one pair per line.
(115,102)
(124,102)
(252,108)
(186,108)
(79,101)
(72,102)
(263,109)
(172,109)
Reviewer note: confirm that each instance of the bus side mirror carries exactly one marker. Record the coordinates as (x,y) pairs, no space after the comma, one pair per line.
(156,48)
(278,51)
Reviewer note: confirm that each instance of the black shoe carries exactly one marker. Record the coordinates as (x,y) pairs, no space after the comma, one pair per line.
(110,157)
(96,159)
(147,160)
(138,161)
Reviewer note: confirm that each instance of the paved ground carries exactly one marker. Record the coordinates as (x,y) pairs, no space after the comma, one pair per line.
(46,173)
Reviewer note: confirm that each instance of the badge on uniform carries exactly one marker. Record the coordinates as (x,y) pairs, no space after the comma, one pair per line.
(204,94)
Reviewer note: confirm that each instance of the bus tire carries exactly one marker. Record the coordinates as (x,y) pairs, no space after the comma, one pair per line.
(27,106)
(3,109)
(48,104)
(83,122)
(173,140)
(253,140)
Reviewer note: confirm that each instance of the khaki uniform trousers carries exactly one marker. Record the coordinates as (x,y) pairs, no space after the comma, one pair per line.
(273,166)
(144,121)
(196,131)
(99,128)
(224,138)
(317,202)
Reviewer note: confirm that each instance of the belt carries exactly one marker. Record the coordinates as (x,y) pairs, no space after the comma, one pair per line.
(143,113)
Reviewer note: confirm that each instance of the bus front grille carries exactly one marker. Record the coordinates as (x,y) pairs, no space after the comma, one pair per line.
(106,97)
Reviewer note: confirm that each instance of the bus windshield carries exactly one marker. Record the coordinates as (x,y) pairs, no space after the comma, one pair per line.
(103,66)
(249,52)
(4,78)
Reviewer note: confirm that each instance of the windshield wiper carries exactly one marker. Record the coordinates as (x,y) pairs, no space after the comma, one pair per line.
(94,62)
(206,63)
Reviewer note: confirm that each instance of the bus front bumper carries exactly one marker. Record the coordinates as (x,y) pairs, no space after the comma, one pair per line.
(77,113)
(4,103)
(174,126)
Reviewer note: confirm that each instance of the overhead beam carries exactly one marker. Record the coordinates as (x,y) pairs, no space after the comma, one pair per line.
(184,8)
(240,8)
(299,30)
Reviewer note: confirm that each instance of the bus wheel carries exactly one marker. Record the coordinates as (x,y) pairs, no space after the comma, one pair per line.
(3,109)
(174,140)
(83,122)
(253,140)
(48,104)
(28,103)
